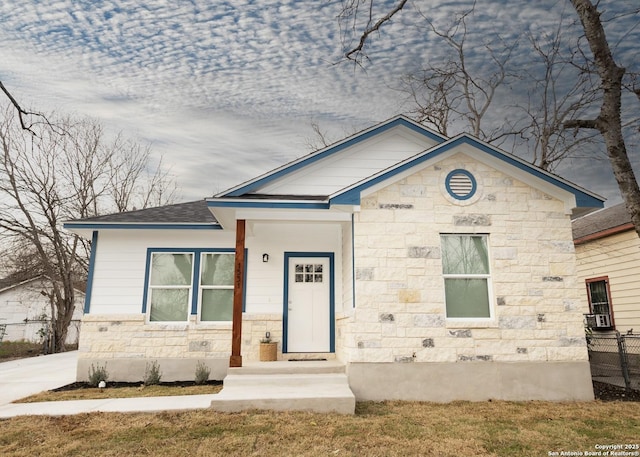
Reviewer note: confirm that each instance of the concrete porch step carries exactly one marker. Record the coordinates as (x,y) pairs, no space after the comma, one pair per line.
(285,388)
(289,367)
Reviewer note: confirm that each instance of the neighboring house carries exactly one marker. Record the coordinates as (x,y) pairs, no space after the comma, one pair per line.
(608,253)
(26,312)
(433,268)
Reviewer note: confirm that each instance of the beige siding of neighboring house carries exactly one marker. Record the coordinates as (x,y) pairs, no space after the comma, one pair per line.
(617,257)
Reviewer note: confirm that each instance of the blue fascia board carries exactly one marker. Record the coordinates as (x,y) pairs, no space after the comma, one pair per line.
(259,182)
(267,204)
(92,267)
(139,226)
(352,196)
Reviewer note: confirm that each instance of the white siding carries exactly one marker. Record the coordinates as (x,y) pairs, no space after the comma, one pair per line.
(22,309)
(265,281)
(338,171)
(118,281)
(118,278)
(618,257)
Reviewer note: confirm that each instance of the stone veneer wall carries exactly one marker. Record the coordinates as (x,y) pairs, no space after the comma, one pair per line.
(254,327)
(400,309)
(126,343)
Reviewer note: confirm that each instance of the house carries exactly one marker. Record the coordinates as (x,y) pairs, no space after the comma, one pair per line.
(433,268)
(608,262)
(26,312)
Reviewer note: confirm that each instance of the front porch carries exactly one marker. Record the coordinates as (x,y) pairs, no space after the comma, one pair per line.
(306,385)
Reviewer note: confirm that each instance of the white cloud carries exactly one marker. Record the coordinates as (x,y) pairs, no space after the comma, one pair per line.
(226,89)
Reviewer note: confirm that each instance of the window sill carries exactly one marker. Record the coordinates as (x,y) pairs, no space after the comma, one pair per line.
(154,325)
(471,323)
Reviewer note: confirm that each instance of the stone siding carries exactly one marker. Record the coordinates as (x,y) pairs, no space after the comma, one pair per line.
(126,341)
(400,304)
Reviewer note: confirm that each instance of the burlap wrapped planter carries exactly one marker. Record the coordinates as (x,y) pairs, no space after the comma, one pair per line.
(268,352)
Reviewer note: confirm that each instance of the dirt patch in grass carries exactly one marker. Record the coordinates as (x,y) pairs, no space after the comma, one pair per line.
(378,429)
(609,392)
(11,350)
(82,391)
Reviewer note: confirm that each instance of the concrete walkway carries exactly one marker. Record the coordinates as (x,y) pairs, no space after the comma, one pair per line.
(24,377)
(314,386)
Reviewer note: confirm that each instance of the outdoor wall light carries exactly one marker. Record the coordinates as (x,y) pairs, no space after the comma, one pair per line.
(265,258)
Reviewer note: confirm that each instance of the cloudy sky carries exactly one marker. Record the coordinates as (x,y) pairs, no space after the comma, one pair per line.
(228,89)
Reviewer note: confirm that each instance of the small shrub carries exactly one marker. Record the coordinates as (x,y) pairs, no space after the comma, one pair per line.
(202,373)
(152,374)
(98,373)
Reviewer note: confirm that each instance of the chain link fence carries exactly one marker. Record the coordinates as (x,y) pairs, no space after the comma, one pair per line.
(35,331)
(615,359)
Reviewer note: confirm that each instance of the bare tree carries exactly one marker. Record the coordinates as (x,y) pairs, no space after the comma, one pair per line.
(455,93)
(24,114)
(558,91)
(46,178)
(319,139)
(609,119)
(558,109)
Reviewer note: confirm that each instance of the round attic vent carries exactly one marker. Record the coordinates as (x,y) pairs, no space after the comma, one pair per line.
(461,184)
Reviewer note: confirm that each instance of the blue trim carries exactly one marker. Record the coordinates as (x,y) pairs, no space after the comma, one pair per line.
(195,275)
(92,267)
(266,204)
(131,225)
(332,293)
(251,186)
(352,196)
(353,262)
(460,171)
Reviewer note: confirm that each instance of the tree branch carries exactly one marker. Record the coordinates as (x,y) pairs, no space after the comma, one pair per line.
(357,51)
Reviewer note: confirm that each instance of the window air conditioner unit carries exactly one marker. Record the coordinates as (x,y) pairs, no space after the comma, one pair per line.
(602,320)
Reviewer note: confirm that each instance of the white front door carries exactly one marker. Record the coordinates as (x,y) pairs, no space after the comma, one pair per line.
(309,305)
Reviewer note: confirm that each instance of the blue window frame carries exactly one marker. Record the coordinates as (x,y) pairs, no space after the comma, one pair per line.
(182,282)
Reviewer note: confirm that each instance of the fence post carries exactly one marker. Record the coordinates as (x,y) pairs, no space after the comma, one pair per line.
(622,351)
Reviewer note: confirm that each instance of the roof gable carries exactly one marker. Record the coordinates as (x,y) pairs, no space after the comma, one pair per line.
(518,167)
(335,167)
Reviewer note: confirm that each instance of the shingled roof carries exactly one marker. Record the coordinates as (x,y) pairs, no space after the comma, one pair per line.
(605,222)
(195,212)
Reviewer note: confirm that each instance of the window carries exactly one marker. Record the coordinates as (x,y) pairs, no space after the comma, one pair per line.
(465,267)
(173,276)
(308,272)
(170,287)
(216,287)
(599,297)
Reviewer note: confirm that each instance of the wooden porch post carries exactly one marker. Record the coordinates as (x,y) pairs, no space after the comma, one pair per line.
(236,359)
